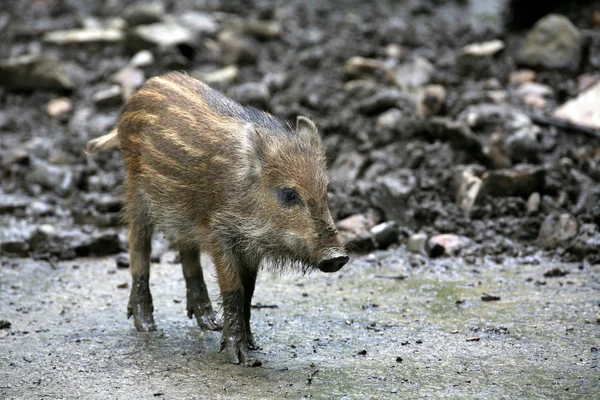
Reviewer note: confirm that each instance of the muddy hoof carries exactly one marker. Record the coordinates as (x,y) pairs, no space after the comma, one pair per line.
(142,317)
(252,345)
(236,351)
(209,321)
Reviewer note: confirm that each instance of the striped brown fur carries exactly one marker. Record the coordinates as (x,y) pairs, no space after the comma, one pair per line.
(230,180)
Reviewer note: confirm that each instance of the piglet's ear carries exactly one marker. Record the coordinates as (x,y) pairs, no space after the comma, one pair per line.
(308,130)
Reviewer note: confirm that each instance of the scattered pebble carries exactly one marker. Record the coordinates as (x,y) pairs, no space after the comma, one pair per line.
(362,352)
(4,324)
(123,285)
(122,260)
(473,339)
(555,273)
(59,106)
(489,297)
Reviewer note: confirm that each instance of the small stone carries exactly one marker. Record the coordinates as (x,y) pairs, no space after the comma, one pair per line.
(557,230)
(143,13)
(469,187)
(489,297)
(237,48)
(18,247)
(200,23)
(84,36)
(391,192)
(100,244)
(553,42)
(399,359)
(260,29)
(483,49)
(4,324)
(123,285)
(34,72)
(583,109)
(360,67)
(555,273)
(59,106)
(130,79)
(382,100)
(347,167)
(106,203)
(50,177)
(159,36)
(44,234)
(430,100)
(477,58)
(223,76)
(413,74)
(522,76)
(473,339)
(362,352)
(447,244)
(524,144)
(416,243)
(142,58)
(122,260)
(389,119)
(385,234)
(110,97)
(533,203)
(519,181)
(355,232)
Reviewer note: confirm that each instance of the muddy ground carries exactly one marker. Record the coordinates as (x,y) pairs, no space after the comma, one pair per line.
(448,169)
(362,333)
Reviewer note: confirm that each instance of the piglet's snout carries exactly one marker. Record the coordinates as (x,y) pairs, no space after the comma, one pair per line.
(333,259)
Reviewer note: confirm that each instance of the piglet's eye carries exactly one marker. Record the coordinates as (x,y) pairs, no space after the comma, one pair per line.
(287,197)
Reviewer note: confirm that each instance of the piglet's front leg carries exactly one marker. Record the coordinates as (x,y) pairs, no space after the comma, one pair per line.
(235,339)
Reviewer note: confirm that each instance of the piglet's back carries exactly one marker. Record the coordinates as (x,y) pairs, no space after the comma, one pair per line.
(184,143)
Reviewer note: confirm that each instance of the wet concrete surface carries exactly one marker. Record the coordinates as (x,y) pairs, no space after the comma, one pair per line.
(377,329)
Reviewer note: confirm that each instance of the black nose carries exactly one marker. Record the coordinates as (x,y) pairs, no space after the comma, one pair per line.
(334,263)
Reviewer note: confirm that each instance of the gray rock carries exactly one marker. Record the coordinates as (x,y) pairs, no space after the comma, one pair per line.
(200,23)
(391,192)
(113,96)
(355,232)
(553,42)
(130,79)
(413,74)
(18,247)
(34,72)
(255,94)
(416,243)
(98,244)
(447,244)
(143,13)
(260,29)
(122,260)
(360,68)
(220,77)
(385,234)
(533,203)
(142,58)
(59,106)
(160,36)
(469,187)
(583,109)
(521,180)
(83,36)
(42,236)
(12,204)
(557,230)
(382,100)
(524,144)
(389,119)
(237,48)
(477,58)
(347,168)
(50,177)
(430,100)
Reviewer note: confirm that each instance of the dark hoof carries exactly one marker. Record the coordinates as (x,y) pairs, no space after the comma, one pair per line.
(209,322)
(252,345)
(142,317)
(236,352)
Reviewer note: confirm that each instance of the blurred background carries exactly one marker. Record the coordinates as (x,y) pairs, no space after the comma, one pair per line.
(425,108)
(462,137)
